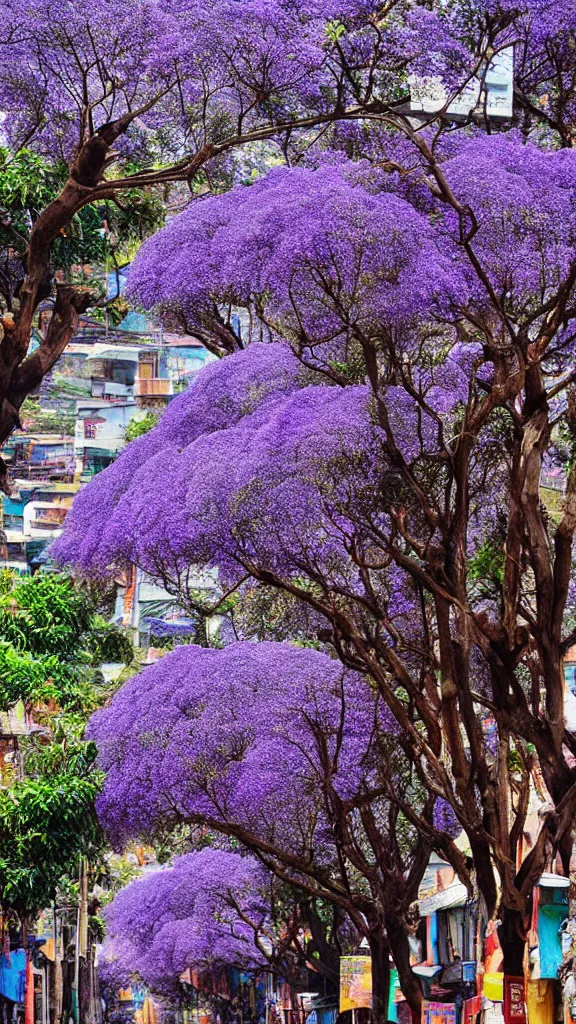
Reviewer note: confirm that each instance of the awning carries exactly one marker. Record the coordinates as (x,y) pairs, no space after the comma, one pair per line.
(176,627)
(425,971)
(102,351)
(429,883)
(550,881)
(455,895)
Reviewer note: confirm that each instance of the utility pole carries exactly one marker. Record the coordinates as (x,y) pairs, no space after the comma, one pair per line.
(81,932)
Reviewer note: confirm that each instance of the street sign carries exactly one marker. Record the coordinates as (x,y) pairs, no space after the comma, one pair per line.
(355,983)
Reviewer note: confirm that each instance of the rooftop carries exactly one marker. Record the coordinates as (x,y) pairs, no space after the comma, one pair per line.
(101,403)
(44,438)
(129,346)
(48,504)
(53,486)
(14,536)
(179,341)
(104,350)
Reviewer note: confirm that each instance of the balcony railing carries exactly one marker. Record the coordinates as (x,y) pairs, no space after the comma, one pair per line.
(150,386)
(45,524)
(45,471)
(110,390)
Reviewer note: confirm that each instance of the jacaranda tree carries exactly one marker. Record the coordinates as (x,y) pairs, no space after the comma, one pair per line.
(213,909)
(149,92)
(379,459)
(292,755)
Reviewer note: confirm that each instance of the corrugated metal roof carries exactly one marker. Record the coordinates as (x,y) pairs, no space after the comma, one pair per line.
(454,895)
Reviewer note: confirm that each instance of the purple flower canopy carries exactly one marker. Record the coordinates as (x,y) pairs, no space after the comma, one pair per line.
(210,909)
(280,240)
(290,482)
(188,67)
(239,734)
(222,395)
(166,56)
(139,51)
(260,459)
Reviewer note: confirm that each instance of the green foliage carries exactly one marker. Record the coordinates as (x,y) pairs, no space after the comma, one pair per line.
(486,568)
(45,614)
(106,642)
(28,182)
(350,372)
(117,309)
(139,215)
(115,872)
(47,822)
(45,421)
(51,642)
(96,927)
(335,30)
(30,679)
(515,763)
(7,579)
(136,428)
(60,387)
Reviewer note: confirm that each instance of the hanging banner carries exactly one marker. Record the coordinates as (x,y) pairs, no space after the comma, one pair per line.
(355,983)
(514,1004)
(438,1013)
(471,1010)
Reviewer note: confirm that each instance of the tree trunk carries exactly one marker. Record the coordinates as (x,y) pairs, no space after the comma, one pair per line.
(21,376)
(20,372)
(511,935)
(328,964)
(380,955)
(409,982)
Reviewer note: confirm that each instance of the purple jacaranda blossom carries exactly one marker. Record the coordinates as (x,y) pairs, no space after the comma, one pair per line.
(318,251)
(221,395)
(444,818)
(390,481)
(209,910)
(71,67)
(241,734)
(285,751)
